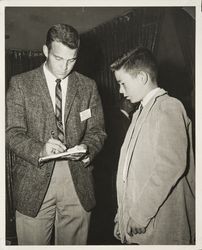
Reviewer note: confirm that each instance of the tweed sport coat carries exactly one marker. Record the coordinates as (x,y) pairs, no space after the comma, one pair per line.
(157,188)
(30,120)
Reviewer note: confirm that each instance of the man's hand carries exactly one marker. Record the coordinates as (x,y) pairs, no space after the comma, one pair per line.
(77,156)
(134,228)
(116,231)
(52,146)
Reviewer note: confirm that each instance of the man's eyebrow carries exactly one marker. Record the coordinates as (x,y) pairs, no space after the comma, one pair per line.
(57,56)
(73,58)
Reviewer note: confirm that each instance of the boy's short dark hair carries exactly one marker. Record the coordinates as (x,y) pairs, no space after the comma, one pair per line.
(138,59)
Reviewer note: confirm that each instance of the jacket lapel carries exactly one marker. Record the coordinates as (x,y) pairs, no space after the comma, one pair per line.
(71,92)
(139,123)
(43,89)
(130,131)
(72,87)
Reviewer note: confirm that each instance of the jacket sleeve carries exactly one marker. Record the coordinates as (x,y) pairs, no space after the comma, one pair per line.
(17,137)
(170,156)
(95,133)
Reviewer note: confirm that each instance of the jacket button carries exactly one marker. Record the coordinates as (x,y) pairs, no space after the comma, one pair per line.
(48,175)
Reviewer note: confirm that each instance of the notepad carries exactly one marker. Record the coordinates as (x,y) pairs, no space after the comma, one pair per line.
(77,150)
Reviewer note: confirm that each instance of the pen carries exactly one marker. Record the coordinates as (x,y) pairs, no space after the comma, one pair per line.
(52,134)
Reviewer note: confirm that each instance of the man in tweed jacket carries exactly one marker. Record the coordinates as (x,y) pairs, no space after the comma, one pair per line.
(58,193)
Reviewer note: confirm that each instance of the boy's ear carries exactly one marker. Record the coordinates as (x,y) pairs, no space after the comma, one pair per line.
(143,76)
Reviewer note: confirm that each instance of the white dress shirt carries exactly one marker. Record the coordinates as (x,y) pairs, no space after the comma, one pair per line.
(51,82)
(149,96)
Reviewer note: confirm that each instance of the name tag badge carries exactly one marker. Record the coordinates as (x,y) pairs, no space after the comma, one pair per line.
(86,114)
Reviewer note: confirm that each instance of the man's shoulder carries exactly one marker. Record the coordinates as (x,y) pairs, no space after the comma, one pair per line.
(167,100)
(84,78)
(169,104)
(28,74)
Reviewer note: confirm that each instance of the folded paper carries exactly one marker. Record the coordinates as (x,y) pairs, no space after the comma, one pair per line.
(77,150)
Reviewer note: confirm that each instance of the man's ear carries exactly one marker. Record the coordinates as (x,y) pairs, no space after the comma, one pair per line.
(143,77)
(45,51)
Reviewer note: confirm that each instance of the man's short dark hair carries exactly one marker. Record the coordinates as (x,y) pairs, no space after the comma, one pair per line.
(136,60)
(63,33)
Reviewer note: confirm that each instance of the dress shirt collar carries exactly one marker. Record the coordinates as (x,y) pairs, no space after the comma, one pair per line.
(50,77)
(51,83)
(149,96)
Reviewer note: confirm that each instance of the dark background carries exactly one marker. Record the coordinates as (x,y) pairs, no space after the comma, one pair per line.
(106,33)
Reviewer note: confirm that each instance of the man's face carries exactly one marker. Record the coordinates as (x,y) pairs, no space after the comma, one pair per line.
(131,86)
(60,59)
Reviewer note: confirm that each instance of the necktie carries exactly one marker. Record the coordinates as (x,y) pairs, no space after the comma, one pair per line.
(58,110)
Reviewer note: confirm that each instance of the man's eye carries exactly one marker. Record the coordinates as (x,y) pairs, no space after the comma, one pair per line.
(58,58)
(71,61)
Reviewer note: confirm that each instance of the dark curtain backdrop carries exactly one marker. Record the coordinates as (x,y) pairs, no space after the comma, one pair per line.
(105,43)
(185,26)
(99,48)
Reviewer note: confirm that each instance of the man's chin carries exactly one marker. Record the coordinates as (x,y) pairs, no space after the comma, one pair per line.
(62,76)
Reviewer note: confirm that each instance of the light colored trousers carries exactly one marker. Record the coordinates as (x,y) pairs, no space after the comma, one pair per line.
(61,208)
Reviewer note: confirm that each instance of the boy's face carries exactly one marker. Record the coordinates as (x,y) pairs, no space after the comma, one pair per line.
(60,59)
(131,86)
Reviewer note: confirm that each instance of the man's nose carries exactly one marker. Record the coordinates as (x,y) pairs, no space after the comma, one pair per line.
(65,65)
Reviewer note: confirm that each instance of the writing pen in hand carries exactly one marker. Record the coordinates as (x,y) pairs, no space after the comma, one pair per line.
(52,134)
